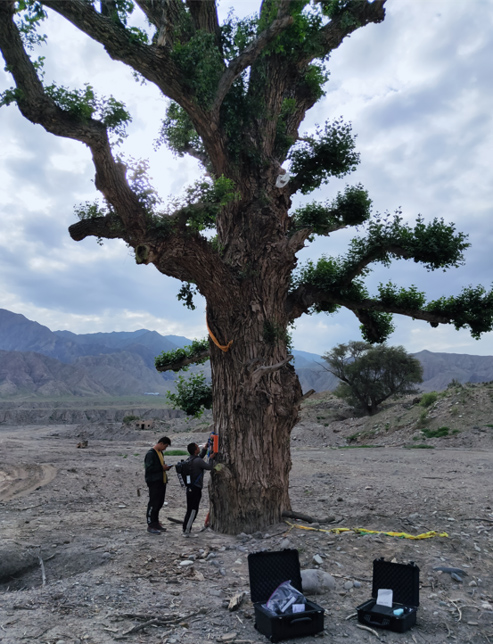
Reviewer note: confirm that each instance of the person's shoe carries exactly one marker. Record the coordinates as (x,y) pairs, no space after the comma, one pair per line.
(162,528)
(185,534)
(153,530)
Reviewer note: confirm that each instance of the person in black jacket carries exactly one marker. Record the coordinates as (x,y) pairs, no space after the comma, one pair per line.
(195,484)
(156,479)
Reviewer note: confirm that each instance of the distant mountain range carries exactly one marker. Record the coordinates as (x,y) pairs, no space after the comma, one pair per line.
(37,361)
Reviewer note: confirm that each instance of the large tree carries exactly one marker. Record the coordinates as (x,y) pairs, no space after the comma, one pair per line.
(239,92)
(371,374)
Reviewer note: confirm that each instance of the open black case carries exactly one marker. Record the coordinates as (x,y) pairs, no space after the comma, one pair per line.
(267,570)
(403,580)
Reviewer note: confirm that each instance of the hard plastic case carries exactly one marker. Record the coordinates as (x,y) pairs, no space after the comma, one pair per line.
(403,579)
(267,570)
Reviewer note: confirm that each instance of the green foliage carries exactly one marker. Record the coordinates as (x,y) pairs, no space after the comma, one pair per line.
(193,395)
(406,298)
(83,104)
(201,64)
(473,308)
(178,132)
(436,245)
(348,209)
(436,433)
(203,201)
(428,399)
(29,14)
(139,180)
(171,360)
(237,34)
(129,419)
(370,375)
(419,446)
(186,295)
(329,154)
(176,452)
(89,210)
(274,334)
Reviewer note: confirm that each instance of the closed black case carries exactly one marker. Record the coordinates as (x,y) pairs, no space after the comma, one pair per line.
(267,570)
(403,580)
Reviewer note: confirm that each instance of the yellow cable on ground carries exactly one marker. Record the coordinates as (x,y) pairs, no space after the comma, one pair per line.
(402,535)
(223,347)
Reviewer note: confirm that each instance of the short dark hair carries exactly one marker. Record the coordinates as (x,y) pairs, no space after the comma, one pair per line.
(164,440)
(191,447)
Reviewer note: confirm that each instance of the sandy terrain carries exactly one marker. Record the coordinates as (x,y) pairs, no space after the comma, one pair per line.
(77,565)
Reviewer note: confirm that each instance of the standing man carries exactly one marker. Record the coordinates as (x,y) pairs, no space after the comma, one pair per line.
(156,479)
(197,466)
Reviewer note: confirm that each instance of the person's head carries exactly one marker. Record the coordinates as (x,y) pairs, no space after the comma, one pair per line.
(162,444)
(193,449)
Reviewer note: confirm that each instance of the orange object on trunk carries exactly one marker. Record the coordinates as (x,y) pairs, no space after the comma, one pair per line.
(215,443)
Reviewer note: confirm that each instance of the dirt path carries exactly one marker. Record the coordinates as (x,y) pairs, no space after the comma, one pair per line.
(77,565)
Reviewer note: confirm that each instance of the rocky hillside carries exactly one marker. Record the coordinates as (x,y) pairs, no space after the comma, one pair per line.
(461,416)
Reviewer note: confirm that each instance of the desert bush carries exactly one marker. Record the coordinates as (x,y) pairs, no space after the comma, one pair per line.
(428,399)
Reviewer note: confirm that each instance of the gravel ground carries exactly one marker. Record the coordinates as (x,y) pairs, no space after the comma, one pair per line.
(77,565)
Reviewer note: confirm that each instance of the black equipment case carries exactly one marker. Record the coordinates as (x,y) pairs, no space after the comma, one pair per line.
(403,580)
(267,570)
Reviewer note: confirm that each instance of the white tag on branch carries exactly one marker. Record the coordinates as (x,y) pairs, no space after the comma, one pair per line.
(282,180)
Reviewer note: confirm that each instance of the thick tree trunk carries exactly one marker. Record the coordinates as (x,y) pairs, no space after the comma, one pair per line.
(256,401)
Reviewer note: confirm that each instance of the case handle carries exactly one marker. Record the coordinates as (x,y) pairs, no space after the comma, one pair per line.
(300,619)
(382,622)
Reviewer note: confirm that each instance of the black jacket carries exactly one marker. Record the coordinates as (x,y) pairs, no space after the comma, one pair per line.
(153,468)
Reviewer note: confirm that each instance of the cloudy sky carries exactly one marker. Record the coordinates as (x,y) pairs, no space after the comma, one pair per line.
(417,89)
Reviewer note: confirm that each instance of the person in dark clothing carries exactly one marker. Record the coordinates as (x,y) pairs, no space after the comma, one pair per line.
(195,483)
(156,479)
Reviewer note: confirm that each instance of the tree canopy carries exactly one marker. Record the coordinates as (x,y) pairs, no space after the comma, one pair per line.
(237,94)
(370,375)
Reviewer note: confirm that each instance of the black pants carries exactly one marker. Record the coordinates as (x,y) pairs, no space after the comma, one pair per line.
(194,494)
(157,492)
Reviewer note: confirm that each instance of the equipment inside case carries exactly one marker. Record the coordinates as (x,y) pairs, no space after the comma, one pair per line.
(403,580)
(267,571)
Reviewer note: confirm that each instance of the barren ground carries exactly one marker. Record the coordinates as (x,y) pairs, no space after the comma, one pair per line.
(77,565)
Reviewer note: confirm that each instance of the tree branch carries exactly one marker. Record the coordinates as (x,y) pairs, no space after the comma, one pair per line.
(153,62)
(247,57)
(177,365)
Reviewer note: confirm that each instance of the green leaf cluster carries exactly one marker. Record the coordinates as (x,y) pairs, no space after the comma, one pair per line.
(348,209)
(200,62)
(331,153)
(171,360)
(178,132)
(203,201)
(186,295)
(405,298)
(193,395)
(29,15)
(83,104)
(473,309)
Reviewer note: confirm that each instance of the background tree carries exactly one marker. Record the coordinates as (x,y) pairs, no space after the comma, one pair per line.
(371,374)
(238,93)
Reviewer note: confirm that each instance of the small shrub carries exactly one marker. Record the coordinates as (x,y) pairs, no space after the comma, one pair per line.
(128,419)
(428,399)
(419,446)
(176,452)
(423,419)
(436,433)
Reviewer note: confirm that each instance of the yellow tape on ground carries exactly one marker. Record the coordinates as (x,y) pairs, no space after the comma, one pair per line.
(402,535)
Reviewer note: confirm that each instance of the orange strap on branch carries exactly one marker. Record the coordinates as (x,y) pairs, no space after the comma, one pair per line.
(224,347)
